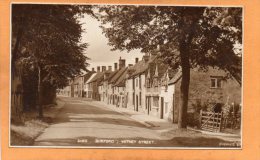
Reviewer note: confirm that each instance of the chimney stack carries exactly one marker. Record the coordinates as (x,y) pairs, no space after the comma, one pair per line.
(146,57)
(98,69)
(110,68)
(121,63)
(103,68)
(136,60)
(115,65)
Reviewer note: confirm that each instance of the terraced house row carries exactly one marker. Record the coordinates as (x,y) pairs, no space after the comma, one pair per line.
(151,87)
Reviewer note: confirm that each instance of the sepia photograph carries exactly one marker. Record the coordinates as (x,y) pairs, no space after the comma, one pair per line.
(126,76)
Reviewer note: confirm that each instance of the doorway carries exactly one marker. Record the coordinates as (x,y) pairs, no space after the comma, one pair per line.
(137,103)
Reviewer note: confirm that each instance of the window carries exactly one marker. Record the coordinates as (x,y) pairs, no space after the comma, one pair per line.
(147,83)
(156,101)
(140,97)
(140,82)
(133,98)
(215,82)
(155,82)
(136,82)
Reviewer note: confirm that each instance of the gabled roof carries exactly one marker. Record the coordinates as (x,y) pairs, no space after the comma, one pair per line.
(87,76)
(117,75)
(98,77)
(111,75)
(121,80)
(161,69)
(141,66)
(91,77)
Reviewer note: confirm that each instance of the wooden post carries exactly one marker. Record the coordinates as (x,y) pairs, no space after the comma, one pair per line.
(221,119)
(201,118)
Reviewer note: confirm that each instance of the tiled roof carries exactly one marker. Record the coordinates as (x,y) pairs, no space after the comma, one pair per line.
(112,75)
(87,76)
(141,66)
(90,79)
(162,69)
(99,76)
(121,81)
(117,75)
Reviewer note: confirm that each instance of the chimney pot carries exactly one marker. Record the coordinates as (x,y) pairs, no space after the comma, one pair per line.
(110,68)
(136,60)
(115,66)
(98,68)
(93,69)
(121,63)
(146,57)
(103,68)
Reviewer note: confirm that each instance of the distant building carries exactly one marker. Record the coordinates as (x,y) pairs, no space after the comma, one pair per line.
(88,89)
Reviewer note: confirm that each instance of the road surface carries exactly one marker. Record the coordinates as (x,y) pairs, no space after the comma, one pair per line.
(81,124)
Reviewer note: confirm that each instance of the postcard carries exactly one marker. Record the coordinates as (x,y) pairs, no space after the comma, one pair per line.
(109,80)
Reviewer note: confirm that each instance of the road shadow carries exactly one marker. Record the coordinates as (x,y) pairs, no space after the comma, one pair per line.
(81,113)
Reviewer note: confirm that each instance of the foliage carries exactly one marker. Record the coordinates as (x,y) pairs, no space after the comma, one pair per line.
(161,28)
(46,43)
(49,36)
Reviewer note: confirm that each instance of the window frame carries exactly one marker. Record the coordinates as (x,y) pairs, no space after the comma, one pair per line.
(217,82)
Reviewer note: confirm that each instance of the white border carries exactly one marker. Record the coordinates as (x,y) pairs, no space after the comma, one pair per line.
(146,148)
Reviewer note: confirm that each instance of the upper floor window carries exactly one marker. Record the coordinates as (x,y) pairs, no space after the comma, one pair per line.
(147,83)
(216,82)
(140,82)
(155,81)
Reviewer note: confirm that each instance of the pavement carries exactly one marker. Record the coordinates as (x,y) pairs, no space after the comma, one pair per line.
(83,122)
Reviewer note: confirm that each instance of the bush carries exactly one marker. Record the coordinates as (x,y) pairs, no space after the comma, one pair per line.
(193,120)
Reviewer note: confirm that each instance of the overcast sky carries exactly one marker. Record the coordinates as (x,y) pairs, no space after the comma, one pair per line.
(98,50)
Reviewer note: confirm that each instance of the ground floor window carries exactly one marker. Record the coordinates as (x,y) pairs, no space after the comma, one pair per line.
(156,101)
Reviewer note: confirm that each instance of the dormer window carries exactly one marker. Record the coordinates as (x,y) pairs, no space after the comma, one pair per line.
(148,83)
(156,73)
(215,82)
(155,82)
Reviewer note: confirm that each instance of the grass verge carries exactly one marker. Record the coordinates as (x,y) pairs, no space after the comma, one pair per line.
(24,133)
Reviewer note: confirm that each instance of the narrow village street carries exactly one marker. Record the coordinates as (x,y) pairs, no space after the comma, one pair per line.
(82,123)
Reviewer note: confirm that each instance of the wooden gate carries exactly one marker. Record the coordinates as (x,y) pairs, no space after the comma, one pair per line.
(211,121)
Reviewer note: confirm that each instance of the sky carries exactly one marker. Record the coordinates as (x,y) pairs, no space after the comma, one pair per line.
(99,51)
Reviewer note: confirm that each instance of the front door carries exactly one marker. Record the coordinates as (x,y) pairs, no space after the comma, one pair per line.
(162,107)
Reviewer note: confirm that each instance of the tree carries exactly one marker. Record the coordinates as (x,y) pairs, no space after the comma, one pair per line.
(47,43)
(186,37)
